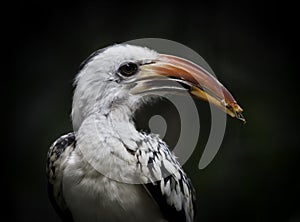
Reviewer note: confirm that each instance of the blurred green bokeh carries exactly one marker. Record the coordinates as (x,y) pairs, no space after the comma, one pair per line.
(254,176)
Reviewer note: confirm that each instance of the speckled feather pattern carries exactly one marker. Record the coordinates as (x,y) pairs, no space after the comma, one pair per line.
(167,184)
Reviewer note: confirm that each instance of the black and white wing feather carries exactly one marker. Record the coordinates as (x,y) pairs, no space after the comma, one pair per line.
(170,188)
(57,154)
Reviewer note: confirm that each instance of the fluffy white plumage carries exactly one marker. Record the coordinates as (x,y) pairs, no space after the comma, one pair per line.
(107,170)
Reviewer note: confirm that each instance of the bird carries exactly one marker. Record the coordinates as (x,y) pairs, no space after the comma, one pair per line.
(106,169)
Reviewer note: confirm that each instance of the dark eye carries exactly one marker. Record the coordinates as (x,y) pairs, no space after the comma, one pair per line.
(128,69)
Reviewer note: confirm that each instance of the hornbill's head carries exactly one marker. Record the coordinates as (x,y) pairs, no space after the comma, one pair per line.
(119,76)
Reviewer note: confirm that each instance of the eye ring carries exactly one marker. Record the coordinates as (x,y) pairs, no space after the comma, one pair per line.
(128,69)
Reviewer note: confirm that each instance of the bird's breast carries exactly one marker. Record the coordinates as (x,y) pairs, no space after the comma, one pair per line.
(93,197)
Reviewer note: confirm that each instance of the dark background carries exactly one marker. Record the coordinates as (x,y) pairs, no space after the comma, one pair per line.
(251,48)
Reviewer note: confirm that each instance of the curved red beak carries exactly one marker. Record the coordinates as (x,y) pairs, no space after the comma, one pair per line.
(198,81)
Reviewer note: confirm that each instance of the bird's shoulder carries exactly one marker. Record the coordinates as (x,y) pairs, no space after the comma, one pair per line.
(170,186)
(60,149)
(57,154)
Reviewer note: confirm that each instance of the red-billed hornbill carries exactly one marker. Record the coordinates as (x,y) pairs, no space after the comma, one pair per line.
(106,170)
